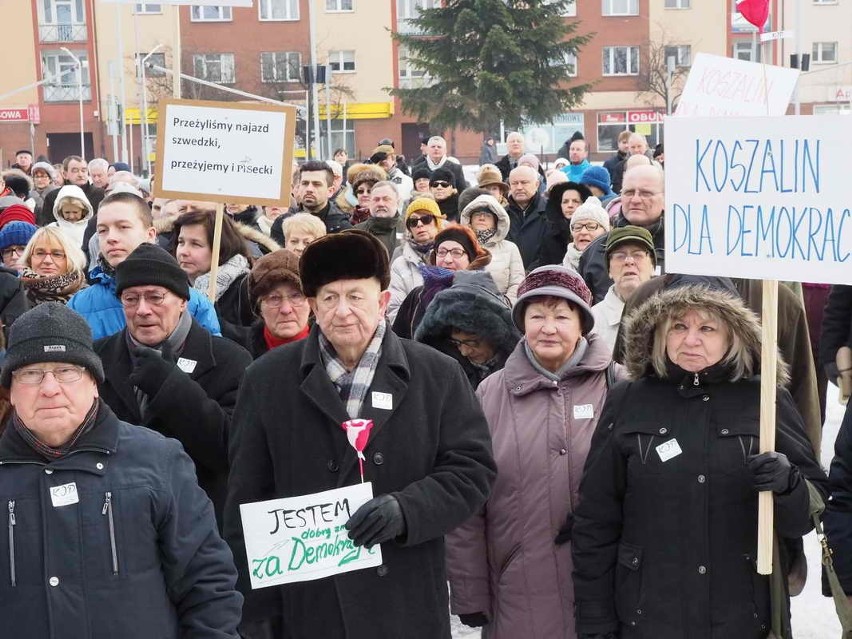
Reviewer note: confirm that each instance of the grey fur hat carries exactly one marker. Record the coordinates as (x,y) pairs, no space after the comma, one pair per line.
(51,332)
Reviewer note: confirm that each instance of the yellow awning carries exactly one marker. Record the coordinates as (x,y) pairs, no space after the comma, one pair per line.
(132,115)
(358,110)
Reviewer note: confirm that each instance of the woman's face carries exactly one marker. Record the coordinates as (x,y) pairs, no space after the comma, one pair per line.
(363,194)
(584,232)
(441,190)
(193,252)
(285,311)
(482,221)
(422,226)
(298,242)
(552,330)
(451,256)
(695,342)
(48,258)
(41,180)
(473,347)
(421,185)
(570,201)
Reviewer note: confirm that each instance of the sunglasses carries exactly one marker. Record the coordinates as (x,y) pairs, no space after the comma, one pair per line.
(441,184)
(413,221)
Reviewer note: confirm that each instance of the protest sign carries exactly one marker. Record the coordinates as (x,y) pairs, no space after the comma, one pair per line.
(303,538)
(762,198)
(227,152)
(724,86)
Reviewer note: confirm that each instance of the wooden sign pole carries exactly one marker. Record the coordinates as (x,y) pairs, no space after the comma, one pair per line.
(768,381)
(214,258)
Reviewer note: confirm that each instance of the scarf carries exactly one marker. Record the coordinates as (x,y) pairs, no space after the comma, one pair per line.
(272,342)
(51,288)
(228,272)
(484,236)
(572,257)
(353,385)
(432,166)
(359,215)
(51,453)
(421,249)
(559,375)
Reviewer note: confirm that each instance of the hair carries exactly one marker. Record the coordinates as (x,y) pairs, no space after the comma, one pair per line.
(638,136)
(98,163)
(518,133)
(739,357)
(339,150)
(583,140)
(76,202)
(231,244)
(303,223)
(316,165)
(72,158)
(20,183)
(336,167)
(624,136)
(53,235)
(387,184)
(140,205)
(123,176)
(437,138)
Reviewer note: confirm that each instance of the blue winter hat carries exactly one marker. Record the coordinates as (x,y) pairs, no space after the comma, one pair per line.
(597,176)
(120,166)
(16,234)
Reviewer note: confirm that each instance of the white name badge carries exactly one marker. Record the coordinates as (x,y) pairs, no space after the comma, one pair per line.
(64,495)
(584,411)
(668,450)
(186,365)
(383,401)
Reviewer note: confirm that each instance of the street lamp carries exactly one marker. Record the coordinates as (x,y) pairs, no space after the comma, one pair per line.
(145,144)
(79,64)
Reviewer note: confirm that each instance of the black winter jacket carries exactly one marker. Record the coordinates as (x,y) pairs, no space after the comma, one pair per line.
(836,324)
(527,229)
(334,219)
(838,511)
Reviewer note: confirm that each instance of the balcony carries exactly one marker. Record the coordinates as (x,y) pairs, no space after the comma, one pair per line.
(62,32)
(66,92)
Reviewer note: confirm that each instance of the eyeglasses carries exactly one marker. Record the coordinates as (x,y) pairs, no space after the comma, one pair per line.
(636,256)
(413,221)
(131,300)
(40,254)
(456,253)
(645,195)
(275,300)
(470,343)
(13,250)
(589,226)
(440,184)
(62,374)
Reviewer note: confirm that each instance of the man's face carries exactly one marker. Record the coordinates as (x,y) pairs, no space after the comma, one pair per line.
(624,145)
(76,173)
(637,145)
(642,195)
(515,145)
(437,149)
(99,177)
(630,265)
(24,160)
(120,231)
(152,313)
(53,410)
(383,202)
(577,152)
(348,312)
(523,184)
(314,190)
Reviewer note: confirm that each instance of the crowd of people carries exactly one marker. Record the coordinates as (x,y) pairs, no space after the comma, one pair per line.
(562,431)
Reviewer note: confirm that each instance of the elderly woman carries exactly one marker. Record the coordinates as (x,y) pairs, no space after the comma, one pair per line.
(665,536)
(490,179)
(562,200)
(589,222)
(423,221)
(300,230)
(54,268)
(443,187)
(72,211)
(277,299)
(354,200)
(509,565)
(490,222)
(42,174)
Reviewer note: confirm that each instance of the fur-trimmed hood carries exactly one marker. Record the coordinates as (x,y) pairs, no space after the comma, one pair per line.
(167,225)
(489,203)
(640,325)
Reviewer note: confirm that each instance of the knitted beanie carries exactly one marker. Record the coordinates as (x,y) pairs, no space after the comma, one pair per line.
(16,234)
(47,167)
(597,176)
(464,236)
(442,175)
(555,281)
(16,212)
(421,172)
(149,265)
(425,205)
(591,211)
(272,270)
(50,332)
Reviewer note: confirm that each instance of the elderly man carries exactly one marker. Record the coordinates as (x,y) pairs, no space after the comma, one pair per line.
(166,372)
(74,171)
(643,201)
(630,258)
(515,146)
(23,160)
(109,533)
(526,209)
(385,157)
(384,220)
(428,455)
(578,160)
(436,157)
(98,169)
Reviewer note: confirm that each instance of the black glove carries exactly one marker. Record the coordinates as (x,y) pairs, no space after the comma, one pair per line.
(150,370)
(772,471)
(564,535)
(474,620)
(377,521)
(832,373)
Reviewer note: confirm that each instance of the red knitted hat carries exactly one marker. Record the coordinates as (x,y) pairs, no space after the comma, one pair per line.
(16,213)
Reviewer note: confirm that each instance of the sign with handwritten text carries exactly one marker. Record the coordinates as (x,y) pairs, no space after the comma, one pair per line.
(303,538)
(763,198)
(228,152)
(724,87)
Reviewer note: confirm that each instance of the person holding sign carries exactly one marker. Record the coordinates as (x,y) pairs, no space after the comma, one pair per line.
(665,536)
(427,456)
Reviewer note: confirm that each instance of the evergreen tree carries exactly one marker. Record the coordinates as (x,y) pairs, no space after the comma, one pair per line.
(492,60)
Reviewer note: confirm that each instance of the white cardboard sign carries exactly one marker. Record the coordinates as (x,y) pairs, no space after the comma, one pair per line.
(724,87)
(303,538)
(763,198)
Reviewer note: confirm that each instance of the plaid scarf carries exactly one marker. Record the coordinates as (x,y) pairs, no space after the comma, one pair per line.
(49,452)
(353,385)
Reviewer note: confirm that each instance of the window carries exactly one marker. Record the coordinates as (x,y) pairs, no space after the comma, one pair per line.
(621,60)
(612,123)
(570,9)
(570,61)
(682,53)
(744,50)
(824,53)
(620,7)
(342,61)
(205,13)
(62,67)
(340,138)
(410,76)
(280,66)
(677,4)
(278,9)
(339,5)
(825,1)
(157,59)
(408,10)
(148,7)
(214,67)
(62,21)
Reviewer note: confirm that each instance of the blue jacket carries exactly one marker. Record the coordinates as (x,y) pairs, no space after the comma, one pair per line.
(115,539)
(101,308)
(575,171)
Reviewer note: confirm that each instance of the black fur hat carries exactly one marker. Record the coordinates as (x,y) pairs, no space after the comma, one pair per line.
(349,255)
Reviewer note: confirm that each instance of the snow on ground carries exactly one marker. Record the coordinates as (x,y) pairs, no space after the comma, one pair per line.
(813,615)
